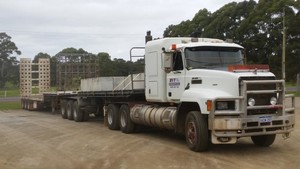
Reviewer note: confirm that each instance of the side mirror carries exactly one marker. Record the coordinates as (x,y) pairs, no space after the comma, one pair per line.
(167,62)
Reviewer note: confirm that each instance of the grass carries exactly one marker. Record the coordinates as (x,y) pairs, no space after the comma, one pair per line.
(35,90)
(16,92)
(10,105)
(289,84)
(10,93)
(297,94)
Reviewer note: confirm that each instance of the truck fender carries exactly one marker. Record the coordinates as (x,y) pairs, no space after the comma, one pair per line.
(183,109)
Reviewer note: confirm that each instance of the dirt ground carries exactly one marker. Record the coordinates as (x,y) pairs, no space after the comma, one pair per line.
(43,140)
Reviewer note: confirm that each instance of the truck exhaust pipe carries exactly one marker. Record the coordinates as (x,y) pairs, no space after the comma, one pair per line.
(148,37)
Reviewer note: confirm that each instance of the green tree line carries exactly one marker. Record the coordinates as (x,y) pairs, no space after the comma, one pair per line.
(257,26)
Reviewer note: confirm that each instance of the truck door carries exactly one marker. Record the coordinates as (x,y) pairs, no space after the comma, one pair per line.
(176,78)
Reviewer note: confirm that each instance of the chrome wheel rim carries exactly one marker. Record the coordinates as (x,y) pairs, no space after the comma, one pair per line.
(191,132)
(123,119)
(109,117)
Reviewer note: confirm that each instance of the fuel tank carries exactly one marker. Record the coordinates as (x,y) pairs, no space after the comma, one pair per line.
(154,116)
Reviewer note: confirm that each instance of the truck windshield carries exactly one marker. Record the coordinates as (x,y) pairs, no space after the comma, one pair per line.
(213,57)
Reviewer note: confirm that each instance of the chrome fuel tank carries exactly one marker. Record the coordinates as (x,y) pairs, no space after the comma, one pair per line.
(149,115)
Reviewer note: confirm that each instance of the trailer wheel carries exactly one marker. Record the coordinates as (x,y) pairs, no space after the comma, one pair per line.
(264,140)
(63,110)
(70,110)
(113,117)
(126,125)
(196,131)
(77,112)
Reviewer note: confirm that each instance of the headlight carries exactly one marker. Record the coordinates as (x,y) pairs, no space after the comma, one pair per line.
(251,102)
(273,101)
(222,105)
(225,105)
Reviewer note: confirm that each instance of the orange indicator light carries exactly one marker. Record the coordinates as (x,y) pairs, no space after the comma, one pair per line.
(209,105)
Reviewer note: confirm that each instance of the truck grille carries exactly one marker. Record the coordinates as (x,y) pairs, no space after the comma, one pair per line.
(262,99)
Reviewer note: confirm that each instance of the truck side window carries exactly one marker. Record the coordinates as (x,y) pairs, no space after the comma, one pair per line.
(177,61)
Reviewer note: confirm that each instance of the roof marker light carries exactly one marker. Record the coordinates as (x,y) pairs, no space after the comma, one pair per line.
(174,47)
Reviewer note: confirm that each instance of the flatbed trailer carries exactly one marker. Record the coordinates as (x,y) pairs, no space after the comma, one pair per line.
(45,100)
(88,99)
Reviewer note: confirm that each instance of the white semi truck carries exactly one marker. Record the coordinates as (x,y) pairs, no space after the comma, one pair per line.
(197,87)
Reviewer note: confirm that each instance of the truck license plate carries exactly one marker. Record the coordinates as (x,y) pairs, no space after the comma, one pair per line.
(265,119)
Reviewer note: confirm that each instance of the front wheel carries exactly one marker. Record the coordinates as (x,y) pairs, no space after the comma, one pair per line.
(126,125)
(196,131)
(264,140)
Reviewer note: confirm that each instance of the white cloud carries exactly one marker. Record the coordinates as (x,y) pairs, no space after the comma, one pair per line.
(95,25)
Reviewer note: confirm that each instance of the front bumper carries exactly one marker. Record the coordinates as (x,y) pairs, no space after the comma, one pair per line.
(226,130)
(252,126)
(227,126)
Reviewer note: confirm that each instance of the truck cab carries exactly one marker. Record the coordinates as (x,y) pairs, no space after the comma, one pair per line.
(176,64)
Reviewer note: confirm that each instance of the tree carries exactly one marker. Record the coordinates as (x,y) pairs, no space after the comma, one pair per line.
(40,56)
(53,70)
(121,67)
(72,65)
(72,55)
(105,64)
(261,35)
(256,26)
(72,50)
(7,58)
(138,66)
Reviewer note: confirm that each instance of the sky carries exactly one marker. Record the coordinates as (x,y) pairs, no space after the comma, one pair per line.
(112,26)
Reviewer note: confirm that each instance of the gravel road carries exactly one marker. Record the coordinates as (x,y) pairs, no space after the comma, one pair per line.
(42,140)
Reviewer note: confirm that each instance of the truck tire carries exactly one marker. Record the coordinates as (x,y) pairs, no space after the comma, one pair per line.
(196,131)
(63,110)
(77,112)
(264,140)
(126,125)
(113,117)
(70,110)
